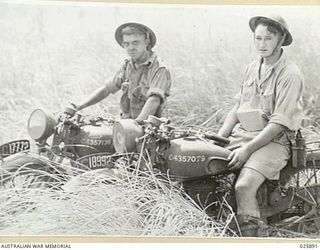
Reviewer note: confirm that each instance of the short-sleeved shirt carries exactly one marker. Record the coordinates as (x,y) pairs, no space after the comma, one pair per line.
(277,96)
(139,82)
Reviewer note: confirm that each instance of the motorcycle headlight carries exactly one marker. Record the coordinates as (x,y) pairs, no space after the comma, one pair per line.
(40,125)
(125,133)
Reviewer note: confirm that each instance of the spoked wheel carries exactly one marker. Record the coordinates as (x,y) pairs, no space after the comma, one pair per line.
(304,216)
(305,177)
(309,222)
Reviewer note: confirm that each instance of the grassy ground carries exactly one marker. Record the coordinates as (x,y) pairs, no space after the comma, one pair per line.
(53,54)
(104,203)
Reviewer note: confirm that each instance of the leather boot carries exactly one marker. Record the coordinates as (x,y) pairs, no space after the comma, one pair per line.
(249,225)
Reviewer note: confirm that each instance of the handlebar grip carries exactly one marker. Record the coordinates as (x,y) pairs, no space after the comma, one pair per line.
(217,138)
(70,111)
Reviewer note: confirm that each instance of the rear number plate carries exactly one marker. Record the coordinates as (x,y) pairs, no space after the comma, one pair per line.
(13,147)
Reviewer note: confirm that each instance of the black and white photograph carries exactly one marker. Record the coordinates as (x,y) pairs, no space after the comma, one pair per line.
(159,120)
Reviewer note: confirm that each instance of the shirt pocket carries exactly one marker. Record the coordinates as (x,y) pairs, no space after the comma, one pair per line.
(140,93)
(248,90)
(267,100)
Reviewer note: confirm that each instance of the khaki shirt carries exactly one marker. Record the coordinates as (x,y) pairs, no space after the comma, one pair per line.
(138,83)
(276,98)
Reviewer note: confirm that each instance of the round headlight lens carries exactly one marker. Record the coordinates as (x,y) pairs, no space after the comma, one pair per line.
(40,125)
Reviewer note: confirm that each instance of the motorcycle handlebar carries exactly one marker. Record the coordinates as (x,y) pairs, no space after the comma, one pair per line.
(217,138)
(70,111)
(207,135)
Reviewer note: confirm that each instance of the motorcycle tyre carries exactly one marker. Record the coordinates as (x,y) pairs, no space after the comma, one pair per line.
(25,171)
(309,226)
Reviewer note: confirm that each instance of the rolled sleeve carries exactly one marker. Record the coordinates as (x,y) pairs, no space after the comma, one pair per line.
(112,85)
(288,109)
(160,84)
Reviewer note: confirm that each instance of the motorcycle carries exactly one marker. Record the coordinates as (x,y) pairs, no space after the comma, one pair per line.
(197,158)
(191,156)
(84,142)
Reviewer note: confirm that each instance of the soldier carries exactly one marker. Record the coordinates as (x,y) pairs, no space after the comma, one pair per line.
(144,79)
(268,111)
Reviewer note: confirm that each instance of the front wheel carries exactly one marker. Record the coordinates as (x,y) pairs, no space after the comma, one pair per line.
(27,171)
(30,176)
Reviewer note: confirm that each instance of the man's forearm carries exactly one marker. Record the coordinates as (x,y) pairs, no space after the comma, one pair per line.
(149,108)
(264,137)
(229,123)
(94,98)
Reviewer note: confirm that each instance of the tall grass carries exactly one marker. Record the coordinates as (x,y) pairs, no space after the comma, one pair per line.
(51,54)
(56,53)
(113,202)
(104,202)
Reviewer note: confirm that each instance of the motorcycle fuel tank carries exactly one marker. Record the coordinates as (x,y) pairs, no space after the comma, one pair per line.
(94,139)
(193,157)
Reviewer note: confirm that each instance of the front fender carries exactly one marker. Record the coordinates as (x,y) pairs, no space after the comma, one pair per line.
(25,159)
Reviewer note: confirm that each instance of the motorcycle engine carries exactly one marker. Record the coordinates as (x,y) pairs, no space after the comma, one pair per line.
(275,198)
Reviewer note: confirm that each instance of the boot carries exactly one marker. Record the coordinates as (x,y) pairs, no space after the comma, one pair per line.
(249,225)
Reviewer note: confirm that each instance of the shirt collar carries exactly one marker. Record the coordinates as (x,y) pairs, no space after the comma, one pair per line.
(148,62)
(277,66)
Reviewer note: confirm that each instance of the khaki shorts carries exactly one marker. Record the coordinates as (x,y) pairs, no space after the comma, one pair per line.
(267,160)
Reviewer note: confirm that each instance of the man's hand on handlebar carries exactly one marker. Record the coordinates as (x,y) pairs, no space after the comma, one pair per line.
(75,106)
(140,122)
(71,109)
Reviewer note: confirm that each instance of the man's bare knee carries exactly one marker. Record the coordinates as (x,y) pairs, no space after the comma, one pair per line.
(243,187)
(248,182)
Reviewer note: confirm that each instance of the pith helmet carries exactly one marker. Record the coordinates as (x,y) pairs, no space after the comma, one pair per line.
(139,26)
(276,19)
